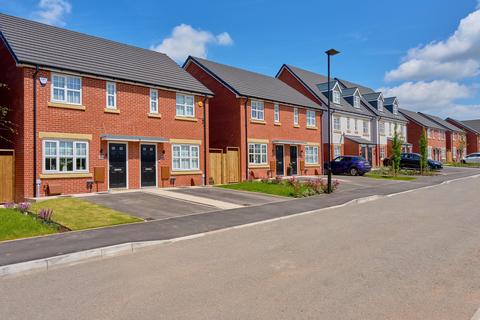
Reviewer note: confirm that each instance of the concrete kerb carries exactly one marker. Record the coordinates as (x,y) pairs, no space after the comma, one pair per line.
(46,264)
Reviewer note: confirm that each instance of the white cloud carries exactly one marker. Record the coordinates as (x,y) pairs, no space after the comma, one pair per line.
(455,58)
(437,97)
(53,11)
(186,40)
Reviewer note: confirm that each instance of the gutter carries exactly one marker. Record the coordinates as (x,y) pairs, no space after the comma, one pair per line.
(246,138)
(205,172)
(35,131)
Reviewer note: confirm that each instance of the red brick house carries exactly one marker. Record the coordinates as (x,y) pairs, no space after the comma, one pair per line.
(436,135)
(456,142)
(93,114)
(277,129)
(472,132)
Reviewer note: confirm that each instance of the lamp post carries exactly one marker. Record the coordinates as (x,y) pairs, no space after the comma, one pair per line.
(330,52)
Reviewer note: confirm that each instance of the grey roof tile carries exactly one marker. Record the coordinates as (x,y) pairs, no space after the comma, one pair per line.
(255,85)
(35,43)
(474,124)
(422,120)
(442,122)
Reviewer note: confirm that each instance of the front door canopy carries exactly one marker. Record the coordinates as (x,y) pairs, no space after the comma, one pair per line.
(111,137)
(291,142)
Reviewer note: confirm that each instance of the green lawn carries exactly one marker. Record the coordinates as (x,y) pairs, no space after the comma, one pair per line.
(388,177)
(14,225)
(279,189)
(77,214)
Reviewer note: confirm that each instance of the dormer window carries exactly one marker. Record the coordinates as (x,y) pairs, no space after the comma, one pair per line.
(380,104)
(356,101)
(395,108)
(336,96)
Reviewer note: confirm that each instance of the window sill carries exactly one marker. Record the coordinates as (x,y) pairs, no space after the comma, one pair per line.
(296,126)
(184,173)
(258,166)
(337,131)
(257,121)
(312,165)
(155,115)
(192,119)
(277,124)
(114,111)
(66,106)
(312,128)
(66,175)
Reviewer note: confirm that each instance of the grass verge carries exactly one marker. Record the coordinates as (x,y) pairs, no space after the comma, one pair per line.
(14,225)
(77,214)
(279,189)
(387,177)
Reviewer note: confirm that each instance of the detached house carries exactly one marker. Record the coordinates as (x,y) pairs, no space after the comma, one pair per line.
(93,114)
(456,142)
(436,135)
(352,121)
(472,133)
(276,129)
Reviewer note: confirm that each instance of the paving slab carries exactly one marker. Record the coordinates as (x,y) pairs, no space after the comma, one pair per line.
(148,206)
(237,197)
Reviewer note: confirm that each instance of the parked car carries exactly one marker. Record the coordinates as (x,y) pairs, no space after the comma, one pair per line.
(353,165)
(472,158)
(412,161)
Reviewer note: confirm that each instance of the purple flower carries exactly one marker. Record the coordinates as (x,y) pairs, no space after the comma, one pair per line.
(23,207)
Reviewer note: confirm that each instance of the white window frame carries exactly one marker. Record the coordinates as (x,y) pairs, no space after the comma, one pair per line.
(390,129)
(295,116)
(311,118)
(382,152)
(257,111)
(65,89)
(356,101)
(114,95)
(395,108)
(430,151)
(365,128)
(429,133)
(337,150)
(381,128)
(336,96)
(444,153)
(348,124)
(261,151)
(311,154)
(380,105)
(337,124)
(276,113)
(153,100)
(356,125)
(57,156)
(191,159)
(188,110)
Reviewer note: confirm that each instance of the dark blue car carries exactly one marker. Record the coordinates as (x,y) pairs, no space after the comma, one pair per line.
(353,165)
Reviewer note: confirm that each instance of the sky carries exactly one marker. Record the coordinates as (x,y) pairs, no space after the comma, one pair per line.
(427,53)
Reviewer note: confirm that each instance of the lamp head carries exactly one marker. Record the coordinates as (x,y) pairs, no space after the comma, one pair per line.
(332,52)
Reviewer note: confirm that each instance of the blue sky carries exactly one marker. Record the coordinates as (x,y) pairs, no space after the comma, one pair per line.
(374,37)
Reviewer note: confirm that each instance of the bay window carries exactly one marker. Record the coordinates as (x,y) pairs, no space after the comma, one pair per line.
(185,157)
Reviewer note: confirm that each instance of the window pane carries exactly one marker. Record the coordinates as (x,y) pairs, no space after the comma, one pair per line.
(81,149)
(81,164)
(180,99)
(73,96)
(50,148)
(189,100)
(51,164)
(73,83)
(66,164)
(66,148)
(58,82)
(176,163)
(59,94)
(180,110)
(111,101)
(189,111)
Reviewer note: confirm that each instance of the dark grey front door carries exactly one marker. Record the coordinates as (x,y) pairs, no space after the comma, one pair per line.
(117,159)
(293,160)
(370,155)
(148,166)
(279,160)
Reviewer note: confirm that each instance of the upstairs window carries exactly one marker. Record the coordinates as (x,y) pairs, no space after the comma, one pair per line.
(66,89)
(311,121)
(381,128)
(395,108)
(336,124)
(153,101)
(336,96)
(429,133)
(111,95)
(356,101)
(356,125)
(295,116)
(185,105)
(276,113)
(348,124)
(257,110)
(390,131)
(380,104)
(365,127)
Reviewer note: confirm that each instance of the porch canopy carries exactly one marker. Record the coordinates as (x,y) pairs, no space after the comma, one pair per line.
(111,137)
(294,142)
(359,140)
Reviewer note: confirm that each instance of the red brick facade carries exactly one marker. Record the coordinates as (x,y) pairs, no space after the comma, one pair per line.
(133,103)
(436,141)
(472,138)
(229,129)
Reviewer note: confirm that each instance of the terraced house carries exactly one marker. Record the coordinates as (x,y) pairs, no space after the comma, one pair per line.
(456,142)
(352,120)
(93,114)
(276,130)
(472,133)
(436,135)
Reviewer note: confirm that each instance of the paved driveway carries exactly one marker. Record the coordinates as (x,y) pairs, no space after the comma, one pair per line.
(148,206)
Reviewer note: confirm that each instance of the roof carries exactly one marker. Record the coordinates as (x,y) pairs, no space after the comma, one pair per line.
(34,43)
(474,124)
(442,122)
(372,96)
(254,85)
(463,125)
(389,101)
(315,83)
(359,140)
(349,84)
(422,120)
(348,92)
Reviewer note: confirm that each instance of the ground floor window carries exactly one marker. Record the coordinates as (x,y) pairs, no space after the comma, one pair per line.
(337,151)
(257,153)
(65,156)
(444,154)
(382,152)
(429,152)
(311,154)
(185,157)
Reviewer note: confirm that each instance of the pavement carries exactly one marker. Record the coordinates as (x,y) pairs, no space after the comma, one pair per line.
(409,256)
(18,251)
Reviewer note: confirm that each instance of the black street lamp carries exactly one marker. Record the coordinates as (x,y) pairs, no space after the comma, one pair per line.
(330,52)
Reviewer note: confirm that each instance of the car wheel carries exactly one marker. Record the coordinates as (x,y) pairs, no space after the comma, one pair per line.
(353,171)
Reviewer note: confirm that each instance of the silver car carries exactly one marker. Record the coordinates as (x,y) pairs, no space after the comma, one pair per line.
(472,158)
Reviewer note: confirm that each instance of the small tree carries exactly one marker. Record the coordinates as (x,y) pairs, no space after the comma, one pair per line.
(462,144)
(396,152)
(423,144)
